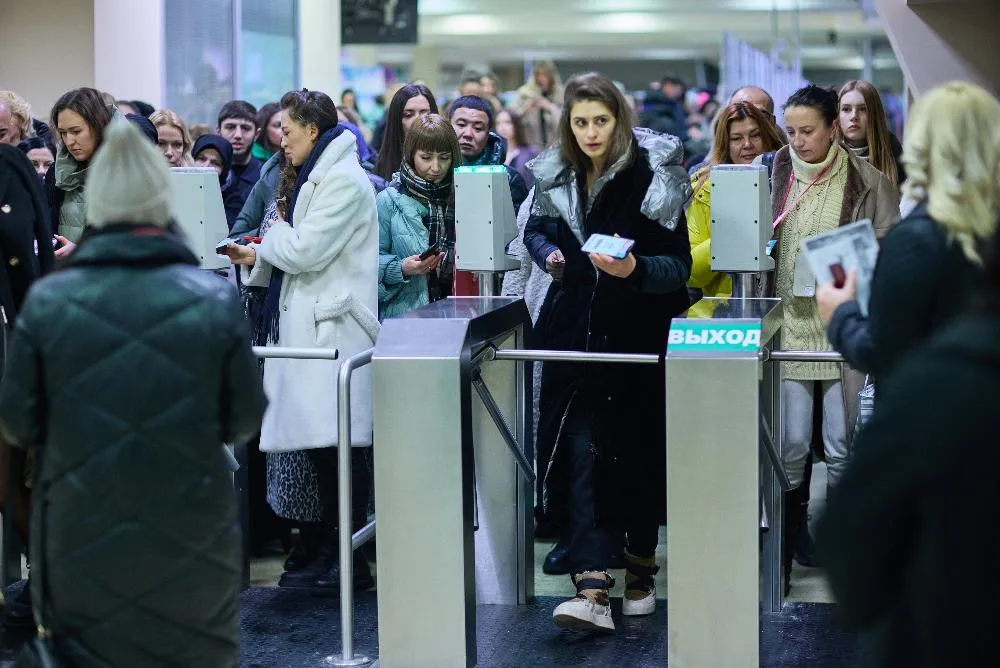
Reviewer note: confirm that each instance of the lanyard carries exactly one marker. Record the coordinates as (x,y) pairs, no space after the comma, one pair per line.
(791,181)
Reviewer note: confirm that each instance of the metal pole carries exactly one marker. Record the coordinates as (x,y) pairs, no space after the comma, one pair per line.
(527,470)
(344,492)
(296,353)
(743,285)
(363,535)
(574,356)
(801,356)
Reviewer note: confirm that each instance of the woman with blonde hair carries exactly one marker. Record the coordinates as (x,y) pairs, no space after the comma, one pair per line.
(172,137)
(865,132)
(539,102)
(931,263)
(742,132)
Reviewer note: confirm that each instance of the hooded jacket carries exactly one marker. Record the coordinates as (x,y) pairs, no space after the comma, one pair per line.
(642,199)
(127,409)
(231,198)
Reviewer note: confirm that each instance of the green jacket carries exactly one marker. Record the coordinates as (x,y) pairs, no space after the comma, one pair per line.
(402,233)
(127,371)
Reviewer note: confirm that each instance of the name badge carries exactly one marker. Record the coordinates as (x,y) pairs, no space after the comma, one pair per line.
(804,283)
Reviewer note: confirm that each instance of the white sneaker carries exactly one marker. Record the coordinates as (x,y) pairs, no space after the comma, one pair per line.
(639,582)
(640,607)
(590,610)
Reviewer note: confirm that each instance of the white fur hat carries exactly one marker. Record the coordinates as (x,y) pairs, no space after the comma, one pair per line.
(128,180)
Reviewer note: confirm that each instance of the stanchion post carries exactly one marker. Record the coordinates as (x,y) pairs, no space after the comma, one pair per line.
(344,491)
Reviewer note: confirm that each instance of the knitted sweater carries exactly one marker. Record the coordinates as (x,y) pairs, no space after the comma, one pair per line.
(817,212)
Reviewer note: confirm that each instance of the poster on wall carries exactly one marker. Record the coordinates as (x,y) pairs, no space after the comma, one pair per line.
(378,22)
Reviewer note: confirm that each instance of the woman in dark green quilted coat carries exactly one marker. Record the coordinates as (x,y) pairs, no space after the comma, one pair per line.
(128,370)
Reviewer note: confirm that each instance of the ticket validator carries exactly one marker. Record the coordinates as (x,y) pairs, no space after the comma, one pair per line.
(197,202)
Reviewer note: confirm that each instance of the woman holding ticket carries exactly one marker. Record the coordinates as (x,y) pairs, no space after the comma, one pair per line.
(930,265)
(816,186)
(618,192)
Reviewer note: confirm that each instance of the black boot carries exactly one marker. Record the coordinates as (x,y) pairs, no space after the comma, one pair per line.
(558,561)
(306,549)
(794,511)
(328,584)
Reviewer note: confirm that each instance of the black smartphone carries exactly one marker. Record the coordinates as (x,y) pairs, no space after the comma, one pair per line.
(433,250)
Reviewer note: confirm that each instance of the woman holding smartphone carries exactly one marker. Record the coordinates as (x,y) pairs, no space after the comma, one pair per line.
(416,217)
(604,424)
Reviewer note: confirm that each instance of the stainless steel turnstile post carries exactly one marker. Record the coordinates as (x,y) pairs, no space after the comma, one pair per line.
(436,439)
(714,480)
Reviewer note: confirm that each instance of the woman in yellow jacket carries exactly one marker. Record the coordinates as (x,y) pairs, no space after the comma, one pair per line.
(742,132)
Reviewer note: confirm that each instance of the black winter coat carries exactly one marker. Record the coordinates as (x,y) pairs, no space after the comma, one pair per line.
(127,372)
(24,222)
(922,280)
(903,539)
(587,312)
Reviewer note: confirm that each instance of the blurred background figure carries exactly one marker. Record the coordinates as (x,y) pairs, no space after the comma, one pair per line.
(172,138)
(41,153)
(539,101)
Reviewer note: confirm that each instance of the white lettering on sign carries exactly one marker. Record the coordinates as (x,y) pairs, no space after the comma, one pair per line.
(715,337)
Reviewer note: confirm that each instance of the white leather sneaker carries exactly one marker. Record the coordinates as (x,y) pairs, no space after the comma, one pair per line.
(590,609)
(640,590)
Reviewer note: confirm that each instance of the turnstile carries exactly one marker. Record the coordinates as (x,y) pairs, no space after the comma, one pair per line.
(723,414)
(454,509)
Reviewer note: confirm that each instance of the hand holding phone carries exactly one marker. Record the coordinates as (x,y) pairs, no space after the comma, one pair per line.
(603,244)
(433,250)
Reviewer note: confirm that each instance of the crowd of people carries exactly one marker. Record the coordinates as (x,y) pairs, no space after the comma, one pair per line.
(335,227)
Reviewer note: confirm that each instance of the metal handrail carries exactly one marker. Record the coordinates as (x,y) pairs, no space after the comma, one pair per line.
(296,353)
(574,356)
(801,356)
(347,539)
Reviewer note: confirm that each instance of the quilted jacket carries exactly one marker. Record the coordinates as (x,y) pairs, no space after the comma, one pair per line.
(127,372)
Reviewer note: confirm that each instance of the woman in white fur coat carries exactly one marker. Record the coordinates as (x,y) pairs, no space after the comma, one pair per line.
(319,263)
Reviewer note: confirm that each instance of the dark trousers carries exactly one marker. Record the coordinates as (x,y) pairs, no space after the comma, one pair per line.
(592,542)
(325,462)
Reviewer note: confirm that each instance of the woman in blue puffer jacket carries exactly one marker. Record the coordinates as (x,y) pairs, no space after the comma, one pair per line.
(416,216)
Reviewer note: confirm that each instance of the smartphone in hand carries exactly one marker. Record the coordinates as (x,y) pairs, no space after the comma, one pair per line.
(433,250)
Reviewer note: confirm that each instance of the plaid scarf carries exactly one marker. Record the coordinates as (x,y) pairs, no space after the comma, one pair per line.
(440,202)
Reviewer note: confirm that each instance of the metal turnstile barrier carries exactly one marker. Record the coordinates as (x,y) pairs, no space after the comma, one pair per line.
(454,509)
(724,474)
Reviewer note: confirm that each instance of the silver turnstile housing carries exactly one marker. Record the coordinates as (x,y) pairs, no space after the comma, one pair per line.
(718,581)
(441,467)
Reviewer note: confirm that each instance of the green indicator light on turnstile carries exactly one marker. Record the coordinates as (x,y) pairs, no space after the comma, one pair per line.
(481,169)
(713,335)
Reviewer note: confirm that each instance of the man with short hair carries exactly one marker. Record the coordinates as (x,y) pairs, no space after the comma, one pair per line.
(756,96)
(238,125)
(472,119)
